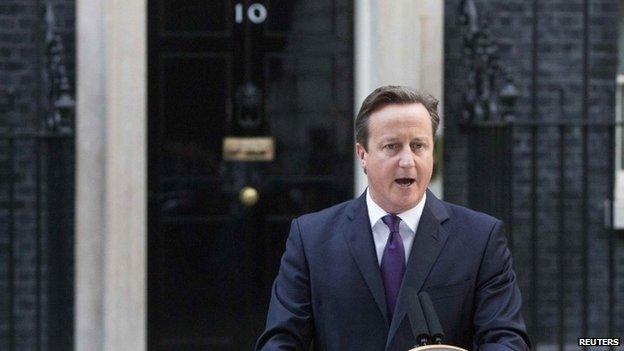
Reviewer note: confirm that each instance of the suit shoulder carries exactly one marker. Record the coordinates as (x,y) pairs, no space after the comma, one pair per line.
(478,221)
(472,228)
(326,215)
(321,226)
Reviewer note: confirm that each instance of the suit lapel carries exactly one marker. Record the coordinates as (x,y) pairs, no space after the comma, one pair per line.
(428,242)
(360,240)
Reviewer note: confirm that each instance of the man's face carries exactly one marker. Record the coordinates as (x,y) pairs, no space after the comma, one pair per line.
(399,160)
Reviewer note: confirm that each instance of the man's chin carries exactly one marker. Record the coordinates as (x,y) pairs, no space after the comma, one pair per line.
(403,203)
(399,199)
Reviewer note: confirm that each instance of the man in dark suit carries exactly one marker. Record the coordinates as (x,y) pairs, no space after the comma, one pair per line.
(349,271)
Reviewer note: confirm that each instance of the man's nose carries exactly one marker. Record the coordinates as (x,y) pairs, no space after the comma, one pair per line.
(406,159)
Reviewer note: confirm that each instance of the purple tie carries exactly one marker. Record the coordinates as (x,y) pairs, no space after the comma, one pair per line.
(392,262)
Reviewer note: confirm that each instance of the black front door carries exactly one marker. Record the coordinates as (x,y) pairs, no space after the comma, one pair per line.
(276,78)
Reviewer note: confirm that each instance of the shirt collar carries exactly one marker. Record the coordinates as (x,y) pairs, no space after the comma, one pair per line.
(411,217)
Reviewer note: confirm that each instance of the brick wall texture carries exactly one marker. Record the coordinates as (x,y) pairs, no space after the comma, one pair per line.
(22,62)
(568,247)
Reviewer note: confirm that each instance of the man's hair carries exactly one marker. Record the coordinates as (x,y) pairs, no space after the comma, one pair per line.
(393,95)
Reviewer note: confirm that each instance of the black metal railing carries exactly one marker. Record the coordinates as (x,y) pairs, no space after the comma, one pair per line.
(563,244)
(37,201)
(552,181)
(37,240)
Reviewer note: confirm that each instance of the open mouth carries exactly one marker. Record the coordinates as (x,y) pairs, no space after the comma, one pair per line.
(405,182)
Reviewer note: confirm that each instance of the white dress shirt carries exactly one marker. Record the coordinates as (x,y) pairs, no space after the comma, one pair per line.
(407,227)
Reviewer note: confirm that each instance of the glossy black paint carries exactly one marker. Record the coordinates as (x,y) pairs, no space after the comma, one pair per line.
(211,259)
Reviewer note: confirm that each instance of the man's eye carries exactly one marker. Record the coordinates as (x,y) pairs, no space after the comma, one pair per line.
(390,146)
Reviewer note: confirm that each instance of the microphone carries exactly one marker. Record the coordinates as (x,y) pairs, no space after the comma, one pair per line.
(437,335)
(417,320)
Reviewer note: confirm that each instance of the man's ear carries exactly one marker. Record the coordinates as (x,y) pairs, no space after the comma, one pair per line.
(361,153)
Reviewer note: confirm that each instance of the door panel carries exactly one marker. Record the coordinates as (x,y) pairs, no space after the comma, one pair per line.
(184,17)
(194,97)
(213,74)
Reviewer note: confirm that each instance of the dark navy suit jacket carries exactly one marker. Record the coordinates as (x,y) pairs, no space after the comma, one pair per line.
(329,288)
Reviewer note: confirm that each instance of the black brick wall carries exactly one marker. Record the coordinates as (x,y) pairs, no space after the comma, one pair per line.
(22,63)
(559,66)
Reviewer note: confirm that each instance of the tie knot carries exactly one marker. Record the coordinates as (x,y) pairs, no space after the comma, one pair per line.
(392,222)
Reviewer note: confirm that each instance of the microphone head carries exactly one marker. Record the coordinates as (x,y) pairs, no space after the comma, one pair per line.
(435,329)
(417,320)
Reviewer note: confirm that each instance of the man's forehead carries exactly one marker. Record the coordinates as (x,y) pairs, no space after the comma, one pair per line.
(401,113)
(403,136)
(400,119)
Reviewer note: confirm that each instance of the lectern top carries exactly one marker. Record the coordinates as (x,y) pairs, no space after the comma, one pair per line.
(438,348)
